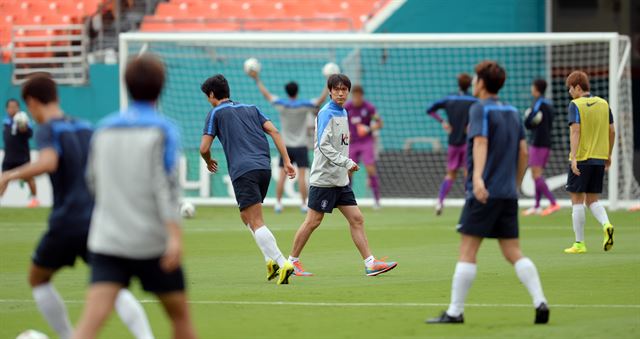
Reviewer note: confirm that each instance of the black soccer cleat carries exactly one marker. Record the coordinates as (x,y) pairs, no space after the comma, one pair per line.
(542,314)
(444,318)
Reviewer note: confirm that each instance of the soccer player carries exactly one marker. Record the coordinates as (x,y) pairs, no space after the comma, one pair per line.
(330,180)
(457,107)
(16,146)
(496,160)
(363,122)
(63,143)
(135,232)
(241,130)
(540,146)
(293,116)
(592,135)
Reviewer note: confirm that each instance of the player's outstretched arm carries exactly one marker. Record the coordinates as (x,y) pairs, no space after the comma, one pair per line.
(205,153)
(480,147)
(271,129)
(263,89)
(323,96)
(47,162)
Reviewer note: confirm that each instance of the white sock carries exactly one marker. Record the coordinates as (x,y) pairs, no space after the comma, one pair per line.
(52,307)
(528,275)
(368,262)
(293,259)
(578,218)
(463,278)
(132,315)
(599,212)
(267,243)
(266,257)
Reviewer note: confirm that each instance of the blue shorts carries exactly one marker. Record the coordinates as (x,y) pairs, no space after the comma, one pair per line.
(112,269)
(325,199)
(57,249)
(498,218)
(251,188)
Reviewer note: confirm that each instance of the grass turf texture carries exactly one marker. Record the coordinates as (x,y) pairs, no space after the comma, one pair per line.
(231,298)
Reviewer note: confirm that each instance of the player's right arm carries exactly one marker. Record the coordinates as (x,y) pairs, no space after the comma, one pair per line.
(612,139)
(208,134)
(325,136)
(47,160)
(574,136)
(432,111)
(263,89)
(480,137)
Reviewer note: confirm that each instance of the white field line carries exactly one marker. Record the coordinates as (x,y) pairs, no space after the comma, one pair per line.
(346,304)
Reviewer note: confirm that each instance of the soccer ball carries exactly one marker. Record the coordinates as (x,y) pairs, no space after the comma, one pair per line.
(22,119)
(252,64)
(537,119)
(330,69)
(187,210)
(32,334)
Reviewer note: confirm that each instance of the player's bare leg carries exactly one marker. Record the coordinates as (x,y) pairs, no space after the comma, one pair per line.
(528,275)
(100,302)
(304,189)
(280,190)
(33,202)
(175,304)
(447,183)
(310,223)
(374,184)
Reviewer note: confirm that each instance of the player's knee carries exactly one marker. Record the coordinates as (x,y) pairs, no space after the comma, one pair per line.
(357,221)
(35,280)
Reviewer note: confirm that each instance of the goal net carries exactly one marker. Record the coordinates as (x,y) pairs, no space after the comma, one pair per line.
(402,74)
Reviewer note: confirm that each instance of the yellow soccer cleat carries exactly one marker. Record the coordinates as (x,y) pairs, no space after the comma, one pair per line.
(272,269)
(285,272)
(608,237)
(577,248)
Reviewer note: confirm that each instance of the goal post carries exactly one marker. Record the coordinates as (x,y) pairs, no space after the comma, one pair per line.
(402,74)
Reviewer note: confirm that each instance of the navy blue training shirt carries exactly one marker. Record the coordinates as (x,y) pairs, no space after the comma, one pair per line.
(239,128)
(502,125)
(541,133)
(457,107)
(72,202)
(16,143)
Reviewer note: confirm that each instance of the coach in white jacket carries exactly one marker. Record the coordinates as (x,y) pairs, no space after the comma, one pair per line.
(330,180)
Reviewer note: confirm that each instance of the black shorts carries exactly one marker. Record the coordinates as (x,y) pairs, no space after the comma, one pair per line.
(298,156)
(498,218)
(107,268)
(325,199)
(589,181)
(251,188)
(57,249)
(7,166)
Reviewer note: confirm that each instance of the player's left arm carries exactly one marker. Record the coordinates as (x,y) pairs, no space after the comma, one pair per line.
(612,139)
(377,120)
(273,132)
(47,162)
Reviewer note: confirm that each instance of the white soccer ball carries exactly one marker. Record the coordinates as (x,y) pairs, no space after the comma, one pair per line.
(537,119)
(187,210)
(329,69)
(21,118)
(32,334)
(252,64)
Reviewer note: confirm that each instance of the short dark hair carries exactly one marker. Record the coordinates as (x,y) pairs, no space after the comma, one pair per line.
(540,85)
(338,79)
(6,105)
(578,78)
(464,81)
(218,85)
(291,88)
(357,89)
(144,77)
(492,74)
(40,87)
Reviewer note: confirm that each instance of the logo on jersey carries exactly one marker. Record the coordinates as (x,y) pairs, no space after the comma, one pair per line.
(589,104)
(345,140)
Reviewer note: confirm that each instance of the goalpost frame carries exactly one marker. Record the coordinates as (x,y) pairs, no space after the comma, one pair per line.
(613,39)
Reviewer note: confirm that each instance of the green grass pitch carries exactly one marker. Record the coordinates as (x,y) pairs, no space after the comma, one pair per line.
(595,295)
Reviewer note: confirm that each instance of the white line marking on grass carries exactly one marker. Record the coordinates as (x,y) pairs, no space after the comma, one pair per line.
(346,304)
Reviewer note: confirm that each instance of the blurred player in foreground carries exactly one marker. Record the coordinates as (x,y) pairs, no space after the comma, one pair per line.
(241,130)
(592,135)
(497,160)
(63,143)
(293,117)
(457,107)
(540,121)
(135,229)
(16,145)
(364,120)
(330,180)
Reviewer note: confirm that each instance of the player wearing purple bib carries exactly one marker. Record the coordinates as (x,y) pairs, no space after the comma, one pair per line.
(363,122)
